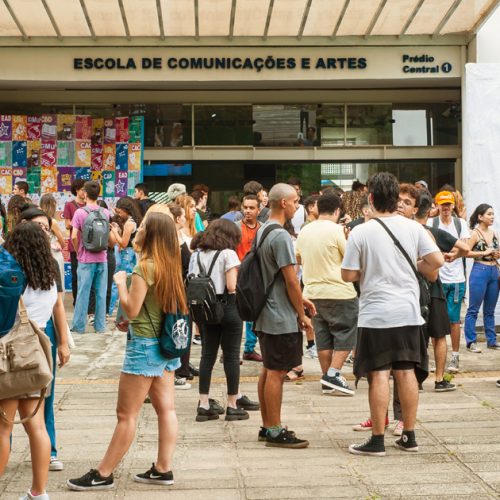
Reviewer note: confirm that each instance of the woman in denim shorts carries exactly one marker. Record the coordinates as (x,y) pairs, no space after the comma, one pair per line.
(156,288)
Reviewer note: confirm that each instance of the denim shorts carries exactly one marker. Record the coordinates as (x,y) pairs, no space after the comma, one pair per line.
(143,357)
(454,293)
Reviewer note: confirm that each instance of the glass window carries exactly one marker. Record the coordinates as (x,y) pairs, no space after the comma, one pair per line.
(167,125)
(445,123)
(330,120)
(369,124)
(410,127)
(223,125)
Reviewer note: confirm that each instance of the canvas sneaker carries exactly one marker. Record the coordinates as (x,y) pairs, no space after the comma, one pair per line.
(181,384)
(338,382)
(262,434)
(371,447)
(312,352)
(398,429)
(30,496)
(495,347)
(91,481)
(472,347)
(349,360)
(407,442)
(453,366)
(325,389)
(55,464)
(367,425)
(444,386)
(286,439)
(153,476)
(197,340)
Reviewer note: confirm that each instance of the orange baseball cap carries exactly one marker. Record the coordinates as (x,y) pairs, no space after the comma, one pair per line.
(445,197)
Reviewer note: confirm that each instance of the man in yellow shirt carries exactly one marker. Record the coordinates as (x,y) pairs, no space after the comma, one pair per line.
(320,249)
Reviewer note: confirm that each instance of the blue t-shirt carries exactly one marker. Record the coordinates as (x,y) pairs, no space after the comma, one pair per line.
(12,285)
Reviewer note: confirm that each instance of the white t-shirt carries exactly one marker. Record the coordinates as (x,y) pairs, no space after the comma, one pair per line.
(389,288)
(452,272)
(298,219)
(39,304)
(228,259)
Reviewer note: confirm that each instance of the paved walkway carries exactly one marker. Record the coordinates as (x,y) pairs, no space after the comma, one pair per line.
(458,434)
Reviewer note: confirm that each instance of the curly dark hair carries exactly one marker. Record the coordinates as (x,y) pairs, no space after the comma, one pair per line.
(14,207)
(219,235)
(29,245)
(130,206)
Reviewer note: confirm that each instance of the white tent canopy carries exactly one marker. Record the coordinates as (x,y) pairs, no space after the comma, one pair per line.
(240,18)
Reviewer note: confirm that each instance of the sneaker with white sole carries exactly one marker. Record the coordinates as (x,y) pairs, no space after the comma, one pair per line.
(367,425)
(181,384)
(444,386)
(154,476)
(325,389)
(472,347)
(30,496)
(372,447)
(407,442)
(454,365)
(312,352)
(337,382)
(55,464)
(498,383)
(91,481)
(398,429)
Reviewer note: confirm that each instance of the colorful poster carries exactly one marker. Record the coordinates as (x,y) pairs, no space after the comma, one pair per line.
(5,180)
(134,156)
(121,183)
(33,180)
(48,180)
(83,127)
(135,129)
(109,131)
(121,126)
(65,176)
(34,155)
(19,128)
(49,154)
(65,127)
(65,153)
(83,153)
(83,173)
(108,181)
(5,154)
(19,154)
(122,156)
(97,130)
(5,127)
(34,128)
(134,177)
(96,154)
(109,157)
(49,128)
(19,174)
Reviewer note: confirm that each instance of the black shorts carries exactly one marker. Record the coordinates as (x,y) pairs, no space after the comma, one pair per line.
(383,348)
(280,352)
(438,325)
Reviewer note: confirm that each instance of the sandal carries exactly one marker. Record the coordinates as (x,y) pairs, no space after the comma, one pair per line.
(299,375)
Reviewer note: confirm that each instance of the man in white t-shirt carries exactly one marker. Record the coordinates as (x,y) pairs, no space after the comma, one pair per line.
(389,324)
(452,274)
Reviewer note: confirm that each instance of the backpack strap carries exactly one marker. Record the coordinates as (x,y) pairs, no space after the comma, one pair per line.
(212,264)
(266,231)
(435,222)
(201,267)
(458,226)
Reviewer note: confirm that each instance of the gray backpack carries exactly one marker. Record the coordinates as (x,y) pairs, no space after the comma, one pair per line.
(95,230)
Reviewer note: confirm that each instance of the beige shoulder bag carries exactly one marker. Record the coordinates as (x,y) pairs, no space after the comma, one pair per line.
(25,362)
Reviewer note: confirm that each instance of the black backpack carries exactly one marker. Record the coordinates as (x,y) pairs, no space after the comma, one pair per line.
(203,304)
(251,296)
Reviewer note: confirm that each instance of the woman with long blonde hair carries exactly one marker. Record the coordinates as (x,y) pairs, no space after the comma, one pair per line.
(189,206)
(156,289)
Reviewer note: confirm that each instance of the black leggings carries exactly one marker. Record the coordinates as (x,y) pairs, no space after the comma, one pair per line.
(226,334)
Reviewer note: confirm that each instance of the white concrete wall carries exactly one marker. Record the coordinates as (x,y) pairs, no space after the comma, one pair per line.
(488,40)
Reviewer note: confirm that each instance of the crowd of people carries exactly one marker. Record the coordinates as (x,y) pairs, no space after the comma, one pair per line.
(367,277)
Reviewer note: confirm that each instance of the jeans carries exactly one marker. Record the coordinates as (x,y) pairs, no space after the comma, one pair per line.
(226,334)
(50,423)
(483,289)
(250,337)
(111,271)
(96,275)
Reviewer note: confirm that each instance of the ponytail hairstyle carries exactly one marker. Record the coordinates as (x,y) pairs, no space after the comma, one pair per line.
(161,245)
(480,210)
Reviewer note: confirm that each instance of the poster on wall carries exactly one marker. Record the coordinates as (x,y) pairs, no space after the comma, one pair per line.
(5,180)
(19,154)
(83,128)
(121,126)
(48,181)
(34,128)
(65,153)
(109,131)
(122,156)
(49,128)
(5,154)
(121,183)
(65,127)
(109,157)
(34,153)
(65,176)
(49,154)
(19,174)
(5,127)
(83,153)
(108,181)
(19,128)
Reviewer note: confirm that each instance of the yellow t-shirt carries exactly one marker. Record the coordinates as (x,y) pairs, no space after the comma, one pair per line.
(321,246)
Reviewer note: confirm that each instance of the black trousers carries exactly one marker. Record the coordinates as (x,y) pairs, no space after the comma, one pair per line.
(226,334)
(74,275)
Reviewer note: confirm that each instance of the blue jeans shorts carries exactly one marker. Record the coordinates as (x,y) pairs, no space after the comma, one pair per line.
(454,293)
(143,357)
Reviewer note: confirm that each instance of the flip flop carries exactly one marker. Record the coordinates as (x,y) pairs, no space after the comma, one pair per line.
(299,375)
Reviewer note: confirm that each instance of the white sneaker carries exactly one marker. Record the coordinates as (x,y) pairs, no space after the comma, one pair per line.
(398,430)
(474,348)
(453,366)
(55,464)
(181,384)
(312,352)
(29,496)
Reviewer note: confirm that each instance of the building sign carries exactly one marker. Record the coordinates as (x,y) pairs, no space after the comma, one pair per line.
(425,63)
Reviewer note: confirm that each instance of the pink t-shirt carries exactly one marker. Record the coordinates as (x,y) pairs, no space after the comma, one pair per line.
(83,255)
(69,210)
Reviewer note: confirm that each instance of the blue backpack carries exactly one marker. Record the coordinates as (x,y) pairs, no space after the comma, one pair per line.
(12,285)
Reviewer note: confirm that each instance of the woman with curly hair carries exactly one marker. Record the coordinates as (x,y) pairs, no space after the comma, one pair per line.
(14,207)
(29,244)
(216,251)
(188,204)
(129,212)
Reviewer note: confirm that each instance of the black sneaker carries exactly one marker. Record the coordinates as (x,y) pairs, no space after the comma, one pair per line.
(286,439)
(91,481)
(236,414)
(339,383)
(498,383)
(247,404)
(420,387)
(203,415)
(262,434)
(153,476)
(325,389)
(216,406)
(444,386)
(372,447)
(194,371)
(407,442)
